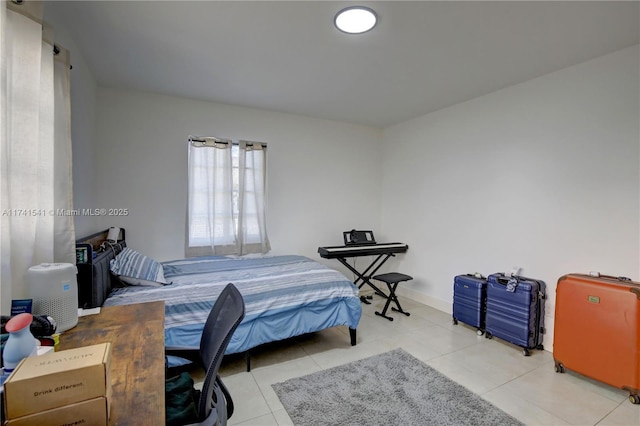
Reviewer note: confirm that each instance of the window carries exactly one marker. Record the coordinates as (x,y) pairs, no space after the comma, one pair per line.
(226,210)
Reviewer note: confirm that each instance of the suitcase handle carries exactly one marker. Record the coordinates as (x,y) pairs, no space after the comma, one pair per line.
(616,278)
(635,289)
(626,280)
(476,275)
(503,280)
(611,277)
(634,286)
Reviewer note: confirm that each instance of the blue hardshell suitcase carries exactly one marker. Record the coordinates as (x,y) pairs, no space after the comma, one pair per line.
(515,310)
(469,300)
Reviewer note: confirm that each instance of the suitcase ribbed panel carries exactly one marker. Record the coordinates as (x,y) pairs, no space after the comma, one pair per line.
(515,316)
(469,294)
(597,329)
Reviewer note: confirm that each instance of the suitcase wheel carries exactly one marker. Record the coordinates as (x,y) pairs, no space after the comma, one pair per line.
(455,321)
(488,335)
(559,367)
(635,399)
(479,332)
(525,352)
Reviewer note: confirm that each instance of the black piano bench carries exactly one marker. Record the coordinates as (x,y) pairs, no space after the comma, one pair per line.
(392,279)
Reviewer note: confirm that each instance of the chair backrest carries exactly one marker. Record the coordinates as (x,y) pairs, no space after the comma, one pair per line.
(224,318)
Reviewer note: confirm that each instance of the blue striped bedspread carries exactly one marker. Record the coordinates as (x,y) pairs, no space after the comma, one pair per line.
(285,296)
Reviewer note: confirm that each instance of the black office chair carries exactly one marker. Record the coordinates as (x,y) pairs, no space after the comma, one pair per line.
(215,405)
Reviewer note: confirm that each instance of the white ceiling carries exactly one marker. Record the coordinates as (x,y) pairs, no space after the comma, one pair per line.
(287,56)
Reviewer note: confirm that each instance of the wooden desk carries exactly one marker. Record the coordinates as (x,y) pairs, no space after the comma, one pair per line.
(136,333)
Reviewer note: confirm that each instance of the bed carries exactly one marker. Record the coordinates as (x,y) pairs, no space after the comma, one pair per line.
(285,296)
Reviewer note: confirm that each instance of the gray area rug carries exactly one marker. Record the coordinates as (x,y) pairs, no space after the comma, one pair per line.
(392,388)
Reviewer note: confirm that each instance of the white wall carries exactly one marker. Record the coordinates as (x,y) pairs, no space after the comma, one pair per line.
(323,176)
(543,175)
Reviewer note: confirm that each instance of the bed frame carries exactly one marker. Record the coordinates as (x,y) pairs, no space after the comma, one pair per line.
(95,281)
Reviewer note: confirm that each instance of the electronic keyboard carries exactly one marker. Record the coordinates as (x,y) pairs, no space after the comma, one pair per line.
(336,252)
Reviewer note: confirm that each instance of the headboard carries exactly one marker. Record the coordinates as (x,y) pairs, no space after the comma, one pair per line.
(93,254)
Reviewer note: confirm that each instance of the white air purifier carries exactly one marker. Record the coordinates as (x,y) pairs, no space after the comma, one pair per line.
(54,290)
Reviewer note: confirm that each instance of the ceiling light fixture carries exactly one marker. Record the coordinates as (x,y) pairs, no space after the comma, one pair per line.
(355,19)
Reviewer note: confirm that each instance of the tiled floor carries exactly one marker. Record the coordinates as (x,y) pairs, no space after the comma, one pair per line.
(528,388)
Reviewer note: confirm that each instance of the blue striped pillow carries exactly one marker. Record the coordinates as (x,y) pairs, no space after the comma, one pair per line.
(134,268)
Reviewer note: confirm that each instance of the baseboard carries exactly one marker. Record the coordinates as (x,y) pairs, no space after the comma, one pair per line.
(438,304)
(447,307)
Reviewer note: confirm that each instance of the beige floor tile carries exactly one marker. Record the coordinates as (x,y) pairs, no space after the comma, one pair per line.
(475,381)
(497,362)
(562,396)
(266,420)
(440,341)
(335,357)
(282,418)
(625,414)
(266,376)
(600,388)
(522,409)
(433,315)
(248,400)
(525,387)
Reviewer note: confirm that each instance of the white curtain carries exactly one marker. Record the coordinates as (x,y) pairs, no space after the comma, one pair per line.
(35,149)
(252,229)
(226,210)
(211,226)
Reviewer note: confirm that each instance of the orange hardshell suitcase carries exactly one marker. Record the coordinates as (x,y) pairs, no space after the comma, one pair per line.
(597,329)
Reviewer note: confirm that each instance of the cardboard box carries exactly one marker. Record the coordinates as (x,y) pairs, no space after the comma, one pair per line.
(57,379)
(91,412)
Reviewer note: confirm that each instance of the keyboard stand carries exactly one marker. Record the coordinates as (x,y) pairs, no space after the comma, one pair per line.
(382,252)
(365,277)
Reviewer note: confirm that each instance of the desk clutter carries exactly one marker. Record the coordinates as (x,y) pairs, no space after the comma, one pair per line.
(41,331)
(54,290)
(72,386)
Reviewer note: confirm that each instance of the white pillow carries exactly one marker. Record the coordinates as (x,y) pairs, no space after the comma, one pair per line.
(134,268)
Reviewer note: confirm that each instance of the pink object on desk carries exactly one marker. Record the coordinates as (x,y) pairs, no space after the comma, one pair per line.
(19,322)
(20,343)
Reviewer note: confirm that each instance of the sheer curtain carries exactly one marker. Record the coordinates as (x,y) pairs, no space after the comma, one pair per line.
(211,228)
(252,229)
(35,149)
(226,208)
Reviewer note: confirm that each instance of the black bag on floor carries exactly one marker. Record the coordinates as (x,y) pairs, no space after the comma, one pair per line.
(181,400)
